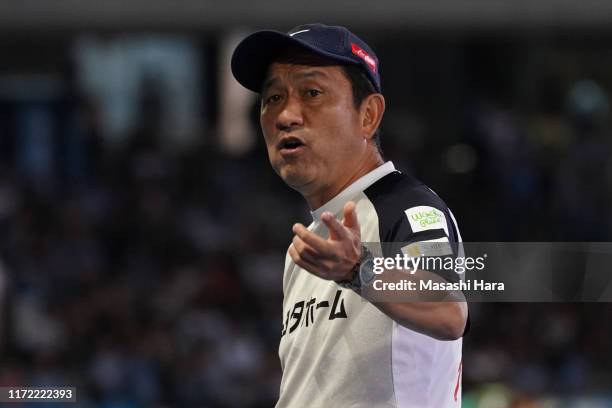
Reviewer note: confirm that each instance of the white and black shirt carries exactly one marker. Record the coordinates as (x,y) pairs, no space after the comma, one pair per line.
(339,350)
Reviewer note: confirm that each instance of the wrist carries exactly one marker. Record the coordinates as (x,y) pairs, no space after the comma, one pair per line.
(361,274)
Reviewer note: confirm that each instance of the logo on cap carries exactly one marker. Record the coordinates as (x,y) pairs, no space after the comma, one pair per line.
(298,32)
(364,56)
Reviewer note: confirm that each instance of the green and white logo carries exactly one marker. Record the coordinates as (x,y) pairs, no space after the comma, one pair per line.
(425,218)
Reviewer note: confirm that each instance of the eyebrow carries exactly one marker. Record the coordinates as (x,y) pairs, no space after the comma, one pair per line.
(307,74)
(268,83)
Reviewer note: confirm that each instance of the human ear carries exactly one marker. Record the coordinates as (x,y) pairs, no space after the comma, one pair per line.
(371,112)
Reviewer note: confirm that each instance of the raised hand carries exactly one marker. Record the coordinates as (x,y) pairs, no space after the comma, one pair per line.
(332,258)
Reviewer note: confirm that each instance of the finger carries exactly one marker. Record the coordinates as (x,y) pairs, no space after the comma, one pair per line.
(304,263)
(304,250)
(313,240)
(337,232)
(350,216)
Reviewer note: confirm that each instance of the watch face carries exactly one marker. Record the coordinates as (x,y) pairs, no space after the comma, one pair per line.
(366,272)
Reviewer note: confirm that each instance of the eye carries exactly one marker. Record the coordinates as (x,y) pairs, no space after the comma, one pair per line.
(313,93)
(273,99)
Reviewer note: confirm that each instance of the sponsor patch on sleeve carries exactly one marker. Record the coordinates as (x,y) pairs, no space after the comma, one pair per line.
(431,247)
(424,218)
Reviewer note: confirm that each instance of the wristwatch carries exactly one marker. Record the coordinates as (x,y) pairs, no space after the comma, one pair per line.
(363,272)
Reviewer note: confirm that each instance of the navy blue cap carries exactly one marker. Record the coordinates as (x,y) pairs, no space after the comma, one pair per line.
(254,54)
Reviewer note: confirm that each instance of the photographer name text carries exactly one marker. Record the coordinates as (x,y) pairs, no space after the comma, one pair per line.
(431,285)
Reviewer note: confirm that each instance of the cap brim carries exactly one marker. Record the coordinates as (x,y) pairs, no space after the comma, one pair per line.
(253,55)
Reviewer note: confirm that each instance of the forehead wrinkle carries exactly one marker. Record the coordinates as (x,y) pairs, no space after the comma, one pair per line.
(269,82)
(312,73)
(309,73)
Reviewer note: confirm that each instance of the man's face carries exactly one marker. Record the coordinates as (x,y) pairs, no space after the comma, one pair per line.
(311,127)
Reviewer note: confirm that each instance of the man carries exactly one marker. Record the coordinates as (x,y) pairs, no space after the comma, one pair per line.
(340,347)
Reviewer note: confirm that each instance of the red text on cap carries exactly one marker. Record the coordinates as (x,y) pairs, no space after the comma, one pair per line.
(364,56)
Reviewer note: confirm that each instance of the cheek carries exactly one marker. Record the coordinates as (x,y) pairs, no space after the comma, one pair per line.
(343,126)
(267,128)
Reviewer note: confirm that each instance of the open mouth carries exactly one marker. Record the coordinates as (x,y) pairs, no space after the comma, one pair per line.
(290,144)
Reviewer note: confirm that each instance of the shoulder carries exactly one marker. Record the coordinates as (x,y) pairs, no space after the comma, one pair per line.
(405,207)
(396,190)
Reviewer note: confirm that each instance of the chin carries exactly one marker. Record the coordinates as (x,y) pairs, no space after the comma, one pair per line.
(295,178)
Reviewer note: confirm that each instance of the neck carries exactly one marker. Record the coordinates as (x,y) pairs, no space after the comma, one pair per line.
(318,198)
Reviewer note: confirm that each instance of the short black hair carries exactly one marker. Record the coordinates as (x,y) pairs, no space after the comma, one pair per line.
(361,85)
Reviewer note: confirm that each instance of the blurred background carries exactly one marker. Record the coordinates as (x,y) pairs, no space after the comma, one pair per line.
(143,232)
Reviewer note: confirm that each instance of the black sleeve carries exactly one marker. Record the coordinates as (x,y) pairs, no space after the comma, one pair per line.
(409,215)
(398,199)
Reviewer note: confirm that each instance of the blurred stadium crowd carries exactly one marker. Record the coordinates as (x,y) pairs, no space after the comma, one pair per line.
(150,276)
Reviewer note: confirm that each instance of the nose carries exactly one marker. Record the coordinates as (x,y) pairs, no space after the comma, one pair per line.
(290,116)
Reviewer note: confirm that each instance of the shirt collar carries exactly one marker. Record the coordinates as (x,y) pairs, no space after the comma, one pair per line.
(336,204)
